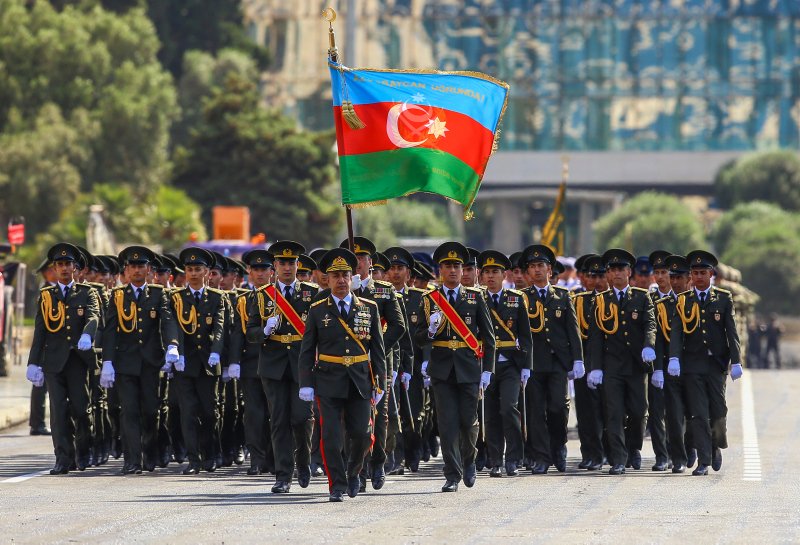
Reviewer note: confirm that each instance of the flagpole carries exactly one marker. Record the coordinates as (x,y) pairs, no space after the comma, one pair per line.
(329,14)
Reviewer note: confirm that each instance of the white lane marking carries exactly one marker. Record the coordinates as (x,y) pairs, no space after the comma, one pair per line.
(25,477)
(752,456)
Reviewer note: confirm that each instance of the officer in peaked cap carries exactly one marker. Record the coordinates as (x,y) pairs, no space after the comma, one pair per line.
(200,314)
(342,367)
(278,322)
(421,275)
(704,356)
(642,273)
(317,274)
(456,319)
(509,312)
(622,352)
(361,246)
(139,325)
(469,274)
(67,321)
(380,264)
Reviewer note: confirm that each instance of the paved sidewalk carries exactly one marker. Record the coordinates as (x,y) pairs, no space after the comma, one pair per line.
(15,396)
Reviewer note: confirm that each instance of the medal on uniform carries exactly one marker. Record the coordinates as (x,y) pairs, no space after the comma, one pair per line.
(468,320)
(209,320)
(558,313)
(717,316)
(510,323)
(80,311)
(413,318)
(634,315)
(153,313)
(304,316)
(326,320)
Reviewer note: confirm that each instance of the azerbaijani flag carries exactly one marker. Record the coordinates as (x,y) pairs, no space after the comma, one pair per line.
(422,131)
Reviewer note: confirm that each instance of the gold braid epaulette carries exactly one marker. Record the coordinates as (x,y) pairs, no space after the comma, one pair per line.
(183,322)
(47,312)
(694,315)
(663,319)
(602,317)
(119,302)
(583,325)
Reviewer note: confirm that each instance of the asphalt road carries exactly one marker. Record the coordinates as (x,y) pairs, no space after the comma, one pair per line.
(754,499)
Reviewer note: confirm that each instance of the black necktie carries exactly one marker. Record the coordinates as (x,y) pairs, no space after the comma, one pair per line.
(542,293)
(197,297)
(287,292)
(451,296)
(138,293)
(495,299)
(66,291)
(620,295)
(342,309)
(702,297)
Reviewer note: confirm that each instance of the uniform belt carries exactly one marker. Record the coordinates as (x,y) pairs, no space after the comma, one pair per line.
(286,339)
(505,344)
(343,360)
(452,345)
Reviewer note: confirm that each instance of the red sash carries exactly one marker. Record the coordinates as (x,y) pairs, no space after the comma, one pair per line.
(457,322)
(286,309)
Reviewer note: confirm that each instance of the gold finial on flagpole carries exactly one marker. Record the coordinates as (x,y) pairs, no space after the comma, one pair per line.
(348,111)
(329,14)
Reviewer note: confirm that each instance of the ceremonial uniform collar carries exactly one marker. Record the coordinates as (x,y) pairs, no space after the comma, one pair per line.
(200,291)
(447,290)
(624,291)
(282,286)
(63,286)
(348,299)
(707,291)
(498,294)
(662,295)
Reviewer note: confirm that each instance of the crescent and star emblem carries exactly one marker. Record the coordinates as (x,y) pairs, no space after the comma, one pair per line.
(435,126)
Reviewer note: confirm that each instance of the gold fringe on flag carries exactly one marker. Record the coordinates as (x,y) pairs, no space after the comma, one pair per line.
(350,115)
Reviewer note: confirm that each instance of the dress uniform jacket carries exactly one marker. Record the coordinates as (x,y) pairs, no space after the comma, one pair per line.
(199,343)
(326,335)
(621,352)
(557,343)
(52,339)
(448,352)
(130,343)
(512,334)
(390,312)
(715,334)
(242,350)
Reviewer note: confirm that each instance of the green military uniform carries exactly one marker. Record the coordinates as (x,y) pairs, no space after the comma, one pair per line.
(557,350)
(704,343)
(200,316)
(455,369)
(588,403)
(622,332)
(291,419)
(345,337)
(139,324)
(256,417)
(62,319)
(508,309)
(656,424)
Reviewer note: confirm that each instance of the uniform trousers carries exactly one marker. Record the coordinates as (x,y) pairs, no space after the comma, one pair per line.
(140,404)
(198,405)
(457,420)
(503,420)
(624,396)
(70,410)
(291,425)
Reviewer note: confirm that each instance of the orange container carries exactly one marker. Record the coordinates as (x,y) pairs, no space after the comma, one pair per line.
(231,222)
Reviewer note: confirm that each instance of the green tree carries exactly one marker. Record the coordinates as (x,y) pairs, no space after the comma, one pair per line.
(767,252)
(745,217)
(242,154)
(650,221)
(96,64)
(769,176)
(385,225)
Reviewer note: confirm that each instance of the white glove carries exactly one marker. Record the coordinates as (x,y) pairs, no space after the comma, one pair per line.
(226,377)
(674,367)
(405,380)
(306,394)
(180,365)
(35,374)
(272,323)
(235,371)
(167,367)
(213,359)
(172,354)
(578,370)
(107,375)
(436,320)
(524,375)
(355,280)
(736,371)
(394,378)
(376,397)
(486,378)
(425,369)
(85,342)
(426,382)
(594,379)
(648,354)
(657,380)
